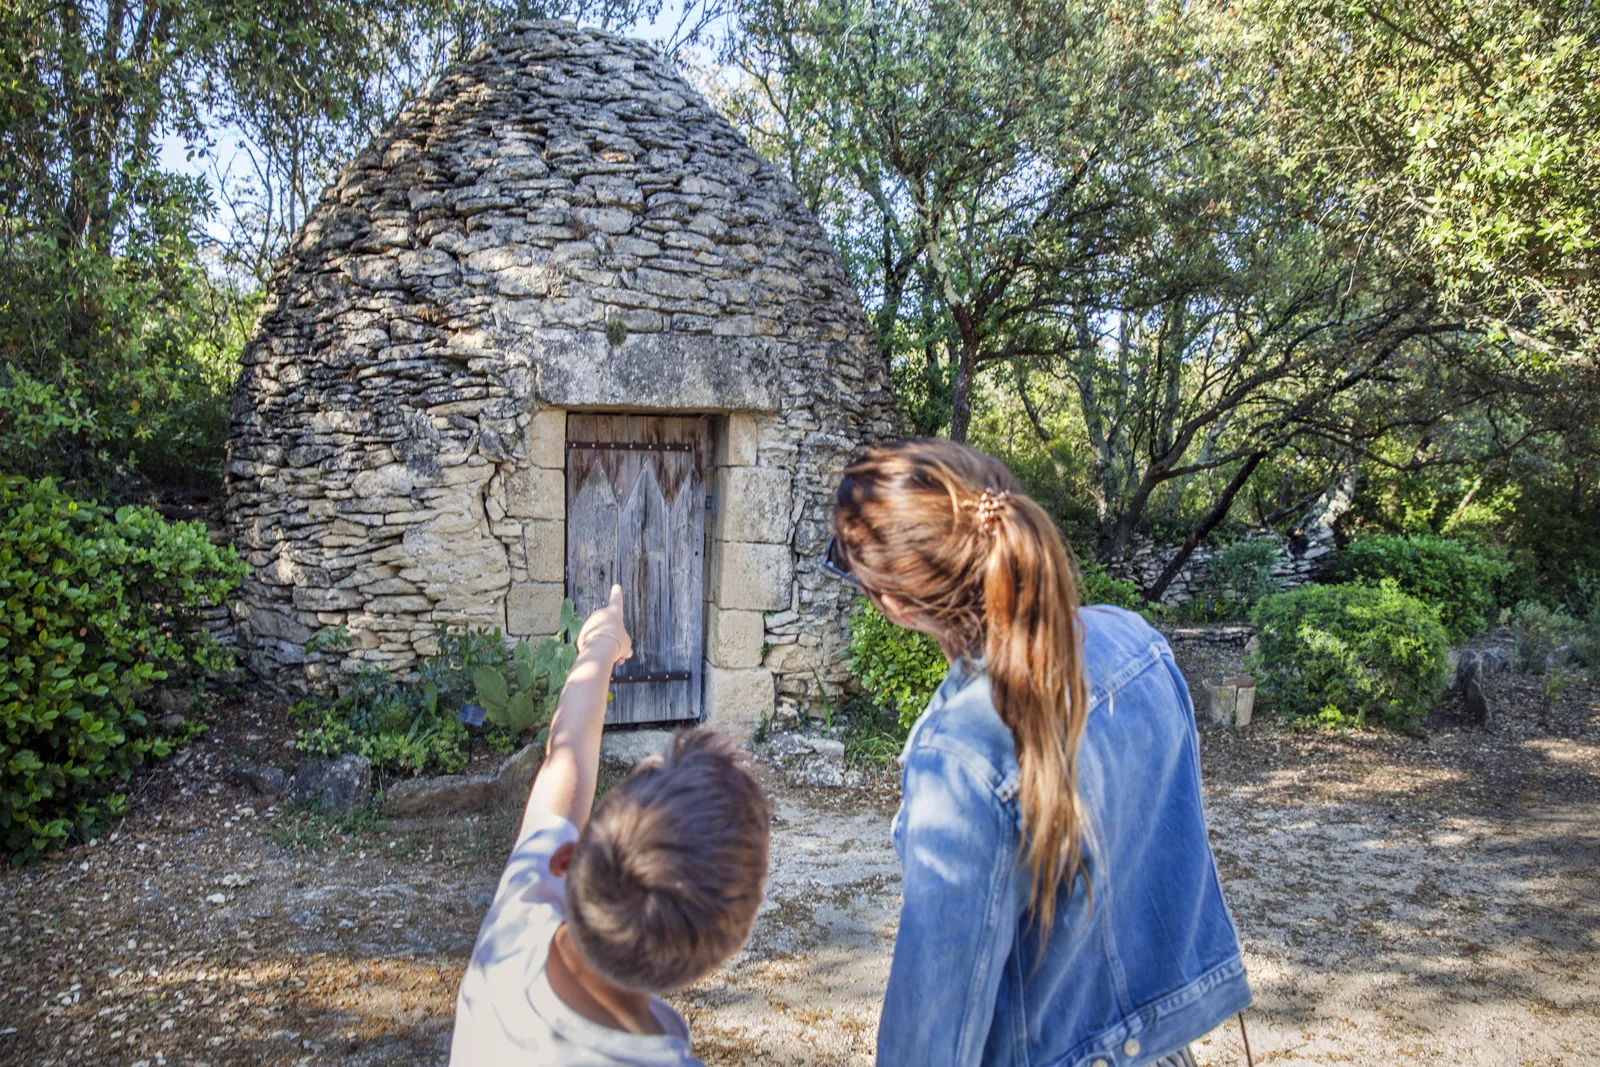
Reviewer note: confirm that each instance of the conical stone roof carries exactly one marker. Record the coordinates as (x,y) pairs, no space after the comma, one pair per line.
(562,223)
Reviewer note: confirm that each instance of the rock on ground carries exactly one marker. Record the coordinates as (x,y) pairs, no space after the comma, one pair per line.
(337,784)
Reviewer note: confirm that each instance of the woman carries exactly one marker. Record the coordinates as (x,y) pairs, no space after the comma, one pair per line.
(1061,903)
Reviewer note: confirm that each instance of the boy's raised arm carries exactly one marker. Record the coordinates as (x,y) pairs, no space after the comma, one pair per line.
(565,783)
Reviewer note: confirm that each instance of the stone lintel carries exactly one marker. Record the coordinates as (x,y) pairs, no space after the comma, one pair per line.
(657,372)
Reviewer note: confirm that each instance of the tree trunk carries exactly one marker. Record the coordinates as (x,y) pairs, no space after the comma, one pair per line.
(1044,435)
(1215,516)
(1333,502)
(1129,520)
(966,370)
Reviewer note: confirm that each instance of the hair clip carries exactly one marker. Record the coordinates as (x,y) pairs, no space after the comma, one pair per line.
(988,507)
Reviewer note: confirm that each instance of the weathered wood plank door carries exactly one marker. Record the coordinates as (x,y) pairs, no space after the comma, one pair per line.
(636,515)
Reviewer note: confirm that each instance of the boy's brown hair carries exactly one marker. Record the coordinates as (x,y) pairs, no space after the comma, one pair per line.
(667,877)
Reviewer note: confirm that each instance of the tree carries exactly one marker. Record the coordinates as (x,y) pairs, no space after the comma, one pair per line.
(112,332)
(1309,358)
(1463,137)
(996,156)
(1073,194)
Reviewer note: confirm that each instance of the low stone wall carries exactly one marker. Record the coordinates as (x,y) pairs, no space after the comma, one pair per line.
(1305,558)
(1225,638)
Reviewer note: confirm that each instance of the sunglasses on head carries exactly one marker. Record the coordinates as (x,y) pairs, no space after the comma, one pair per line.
(833,559)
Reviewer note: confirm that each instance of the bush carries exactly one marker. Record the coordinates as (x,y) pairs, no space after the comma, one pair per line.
(1456,577)
(1541,630)
(410,727)
(898,669)
(1242,571)
(1350,654)
(394,726)
(1097,586)
(96,608)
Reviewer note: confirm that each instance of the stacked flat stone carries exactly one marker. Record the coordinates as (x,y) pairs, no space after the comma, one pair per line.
(561,224)
(1305,557)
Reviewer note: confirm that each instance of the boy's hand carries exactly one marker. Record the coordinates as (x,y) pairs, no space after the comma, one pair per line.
(604,629)
(565,783)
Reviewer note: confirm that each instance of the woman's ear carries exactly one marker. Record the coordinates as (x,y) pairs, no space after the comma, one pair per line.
(561,859)
(900,614)
(897,612)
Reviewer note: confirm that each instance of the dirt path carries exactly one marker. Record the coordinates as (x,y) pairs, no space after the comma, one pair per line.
(1401,901)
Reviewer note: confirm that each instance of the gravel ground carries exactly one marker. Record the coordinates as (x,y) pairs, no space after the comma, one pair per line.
(1401,901)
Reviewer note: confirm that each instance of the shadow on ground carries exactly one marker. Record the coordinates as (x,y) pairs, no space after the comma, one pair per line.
(1400,900)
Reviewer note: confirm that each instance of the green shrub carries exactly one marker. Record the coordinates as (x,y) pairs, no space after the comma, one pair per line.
(1350,654)
(1540,630)
(96,607)
(1097,586)
(1242,571)
(898,669)
(409,727)
(1456,577)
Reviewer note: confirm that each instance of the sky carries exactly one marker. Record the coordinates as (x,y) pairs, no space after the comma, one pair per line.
(224,156)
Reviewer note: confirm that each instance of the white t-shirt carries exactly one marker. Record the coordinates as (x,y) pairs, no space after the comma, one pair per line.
(507,1015)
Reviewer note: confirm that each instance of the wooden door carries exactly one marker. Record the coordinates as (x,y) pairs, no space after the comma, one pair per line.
(636,515)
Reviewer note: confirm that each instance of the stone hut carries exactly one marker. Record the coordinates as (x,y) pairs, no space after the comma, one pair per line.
(560,326)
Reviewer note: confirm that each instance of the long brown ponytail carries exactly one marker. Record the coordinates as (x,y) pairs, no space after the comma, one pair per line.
(949,533)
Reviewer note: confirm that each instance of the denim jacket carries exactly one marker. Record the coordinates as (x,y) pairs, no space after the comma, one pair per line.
(1150,964)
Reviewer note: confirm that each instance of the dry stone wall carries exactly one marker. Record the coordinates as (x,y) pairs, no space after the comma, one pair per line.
(1305,557)
(562,224)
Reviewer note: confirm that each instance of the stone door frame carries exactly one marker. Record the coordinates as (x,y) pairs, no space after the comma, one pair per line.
(749,562)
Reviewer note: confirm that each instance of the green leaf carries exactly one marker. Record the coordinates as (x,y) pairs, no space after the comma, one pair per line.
(521,713)
(523,656)
(491,687)
(562,657)
(571,621)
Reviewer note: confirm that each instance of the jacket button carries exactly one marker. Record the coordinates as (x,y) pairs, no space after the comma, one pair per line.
(1099,1063)
(1130,1047)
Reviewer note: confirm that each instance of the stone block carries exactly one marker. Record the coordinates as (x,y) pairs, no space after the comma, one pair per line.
(793,658)
(546,438)
(737,700)
(537,493)
(628,747)
(515,776)
(752,577)
(753,505)
(546,545)
(734,638)
(740,442)
(390,480)
(307,598)
(448,794)
(264,779)
(534,608)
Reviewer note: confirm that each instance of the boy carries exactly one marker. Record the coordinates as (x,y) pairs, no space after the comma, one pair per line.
(593,915)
